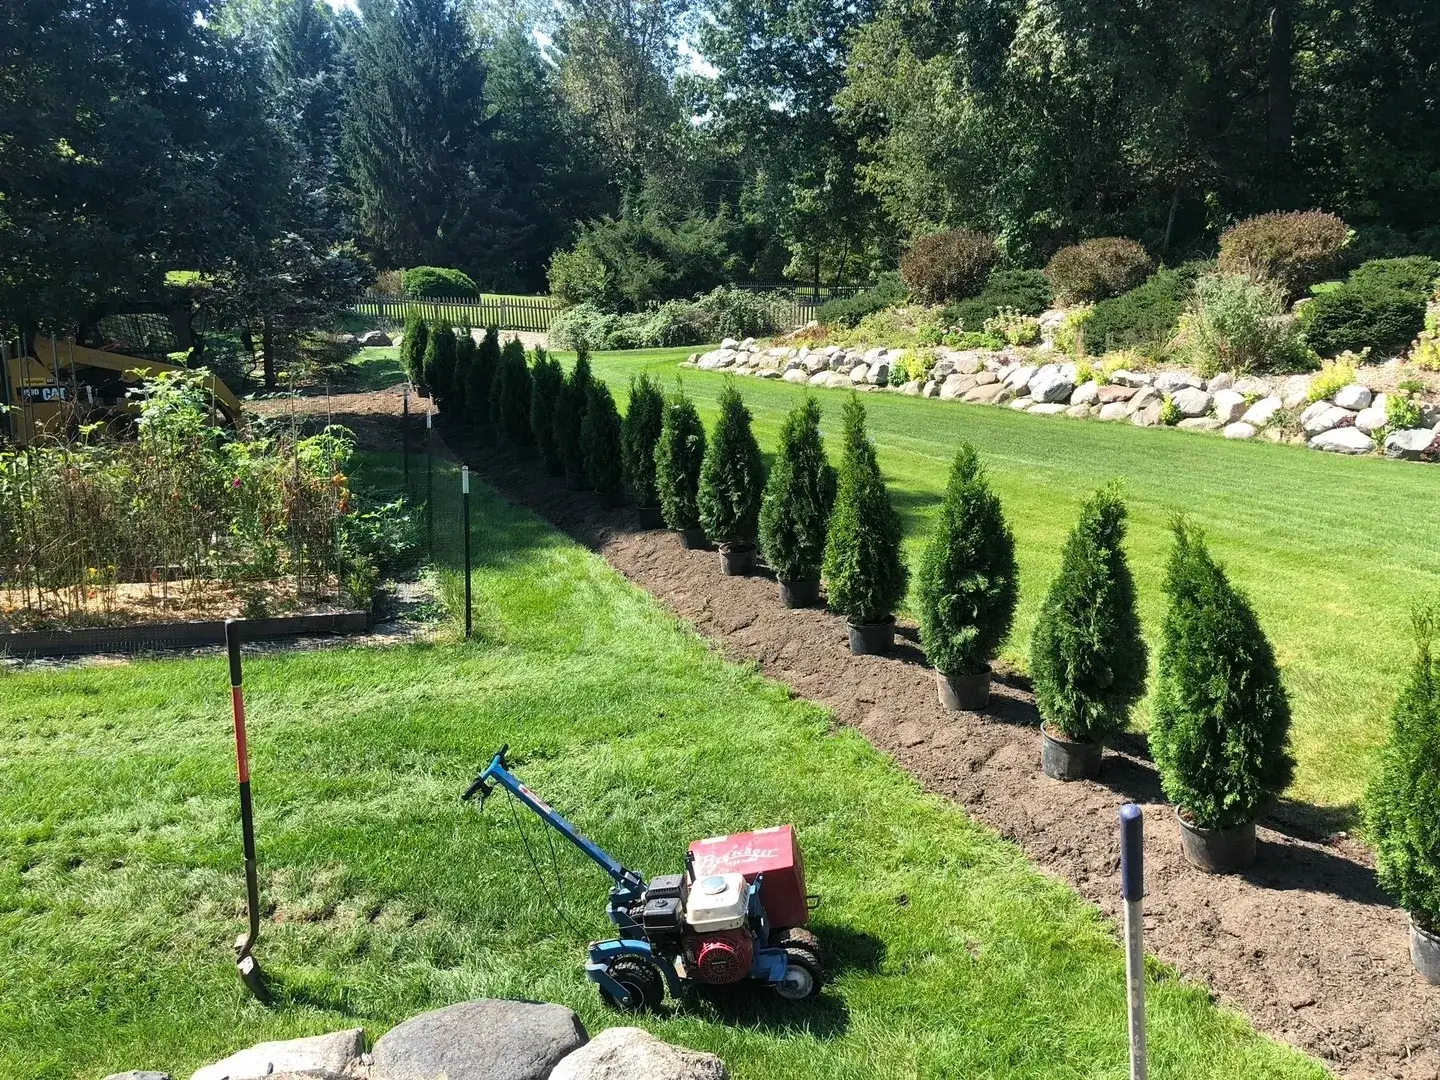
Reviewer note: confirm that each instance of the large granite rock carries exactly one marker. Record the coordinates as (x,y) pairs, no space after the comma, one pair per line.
(1371,420)
(984,394)
(796,375)
(375,339)
(1343,440)
(1106,395)
(488,1039)
(1169,382)
(1086,394)
(1132,379)
(1263,411)
(1415,444)
(1353,397)
(1050,385)
(1190,401)
(1241,430)
(1322,417)
(955,386)
(1229,406)
(1200,423)
(632,1054)
(332,1054)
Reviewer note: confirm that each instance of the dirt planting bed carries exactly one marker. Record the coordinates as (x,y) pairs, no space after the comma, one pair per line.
(1306,945)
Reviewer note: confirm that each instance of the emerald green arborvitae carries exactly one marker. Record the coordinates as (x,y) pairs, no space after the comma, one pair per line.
(1220,728)
(799,496)
(412,347)
(1087,657)
(510,396)
(482,377)
(639,436)
(547,383)
(570,413)
(864,572)
(1402,807)
(732,476)
(460,378)
(600,441)
(678,457)
(440,366)
(968,583)
(429,361)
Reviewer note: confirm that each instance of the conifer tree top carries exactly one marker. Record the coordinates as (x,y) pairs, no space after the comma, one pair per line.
(732,478)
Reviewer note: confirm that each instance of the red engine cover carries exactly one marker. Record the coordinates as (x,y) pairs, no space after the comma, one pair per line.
(773,851)
(722,957)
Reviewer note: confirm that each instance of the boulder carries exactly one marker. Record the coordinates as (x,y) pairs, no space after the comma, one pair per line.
(1086,394)
(488,1039)
(794,363)
(879,373)
(1190,401)
(330,1053)
(1229,406)
(930,389)
(1080,412)
(911,388)
(1254,387)
(1415,444)
(1019,377)
(768,373)
(632,1054)
(837,380)
(1050,385)
(1370,420)
(955,386)
(860,373)
(1223,381)
(720,358)
(1147,415)
(1143,399)
(1322,417)
(985,378)
(1107,394)
(1168,382)
(969,362)
(983,394)
(1115,410)
(942,367)
(819,378)
(796,375)
(1430,413)
(1132,379)
(1049,408)
(729,343)
(1263,411)
(1343,440)
(1353,397)
(1241,430)
(1006,393)
(748,343)
(1200,423)
(817,362)
(375,339)
(1294,391)
(1020,404)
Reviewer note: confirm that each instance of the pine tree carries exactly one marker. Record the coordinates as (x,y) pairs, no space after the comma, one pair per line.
(799,496)
(570,414)
(1221,722)
(1402,806)
(1087,655)
(547,384)
(863,567)
(465,351)
(638,436)
(678,458)
(732,476)
(482,377)
(412,347)
(600,442)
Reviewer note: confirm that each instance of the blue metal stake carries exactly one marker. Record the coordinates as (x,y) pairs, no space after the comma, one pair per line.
(1132,891)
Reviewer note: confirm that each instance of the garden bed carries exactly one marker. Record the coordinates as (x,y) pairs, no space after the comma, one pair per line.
(1306,944)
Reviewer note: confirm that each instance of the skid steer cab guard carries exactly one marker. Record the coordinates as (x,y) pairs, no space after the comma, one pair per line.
(676,931)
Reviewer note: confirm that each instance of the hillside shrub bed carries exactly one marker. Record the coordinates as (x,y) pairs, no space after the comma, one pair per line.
(1293,251)
(1095,269)
(1380,306)
(1025,291)
(1147,315)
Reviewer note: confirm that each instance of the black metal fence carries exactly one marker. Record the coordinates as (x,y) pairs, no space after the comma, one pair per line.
(524,313)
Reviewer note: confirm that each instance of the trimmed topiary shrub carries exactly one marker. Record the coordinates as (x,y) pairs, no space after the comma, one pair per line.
(1146,315)
(679,455)
(888,291)
(510,401)
(799,496)
(863,566)
(1087,656)
(600,442)
(1381,305)
(1402,806)
(482,377)
(1095,269)
(547,386)
(1221,722)
(412,348)
(732,477)
(465,350)
(570,414)
(436,282)
(1293,250)
(639,436)
(968,584)
(949,265)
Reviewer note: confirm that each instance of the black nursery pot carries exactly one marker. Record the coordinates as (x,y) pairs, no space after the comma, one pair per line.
(1425,951)
(964,693)
(1217,851)
(798,594)
(693,538)
(736,560)
(1068,759)
(576,481)
(872,639)
(650,517)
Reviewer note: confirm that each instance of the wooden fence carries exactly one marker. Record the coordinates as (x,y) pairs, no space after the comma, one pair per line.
(533,313)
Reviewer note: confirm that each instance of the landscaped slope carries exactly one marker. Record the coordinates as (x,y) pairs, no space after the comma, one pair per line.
(120,888)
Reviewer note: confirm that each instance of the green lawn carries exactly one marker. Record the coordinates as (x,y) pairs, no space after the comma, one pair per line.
(120,889)
(1331,550)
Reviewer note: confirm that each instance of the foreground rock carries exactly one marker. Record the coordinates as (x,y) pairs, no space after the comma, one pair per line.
(375,339)
(488,1039)
(631,1054)
(1344,440)
(325,1054)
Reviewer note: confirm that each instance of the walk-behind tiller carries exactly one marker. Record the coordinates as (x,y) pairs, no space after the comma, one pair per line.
(738,912)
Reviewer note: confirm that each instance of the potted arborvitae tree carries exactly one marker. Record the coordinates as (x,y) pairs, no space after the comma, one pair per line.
(795,512)
(864,571)
(1402,807)
(968,586)
(547,384)
(1220,727)
(1087,657)
(600,443)
(440,362)
(481,378)
(678,457)
(569,415)
(639,436)
(732,480)
(412,347)
(460,379)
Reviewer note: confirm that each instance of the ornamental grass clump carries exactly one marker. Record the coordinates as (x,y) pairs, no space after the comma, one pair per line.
(678,457)
(1221,723)
(600,443)
(969,583)
(863,567)
(799,495)
(638,437)
(412,347)
(1087,656)
(732,476)
(570,414)
(481,377)
(1402,806)
(547,384)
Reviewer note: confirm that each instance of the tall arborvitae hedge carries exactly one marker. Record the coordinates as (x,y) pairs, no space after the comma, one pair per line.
(1221,723)
(600,442)
(570,414)
(547,384)
(638,437)
(864,572)
(1402,807)
(412,347)
(1087,656)
(968,584)
(429,361)
(465,350)
(799,495)
(678,458)
(732,476)
(510,395)
(440,362)
(482,378)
